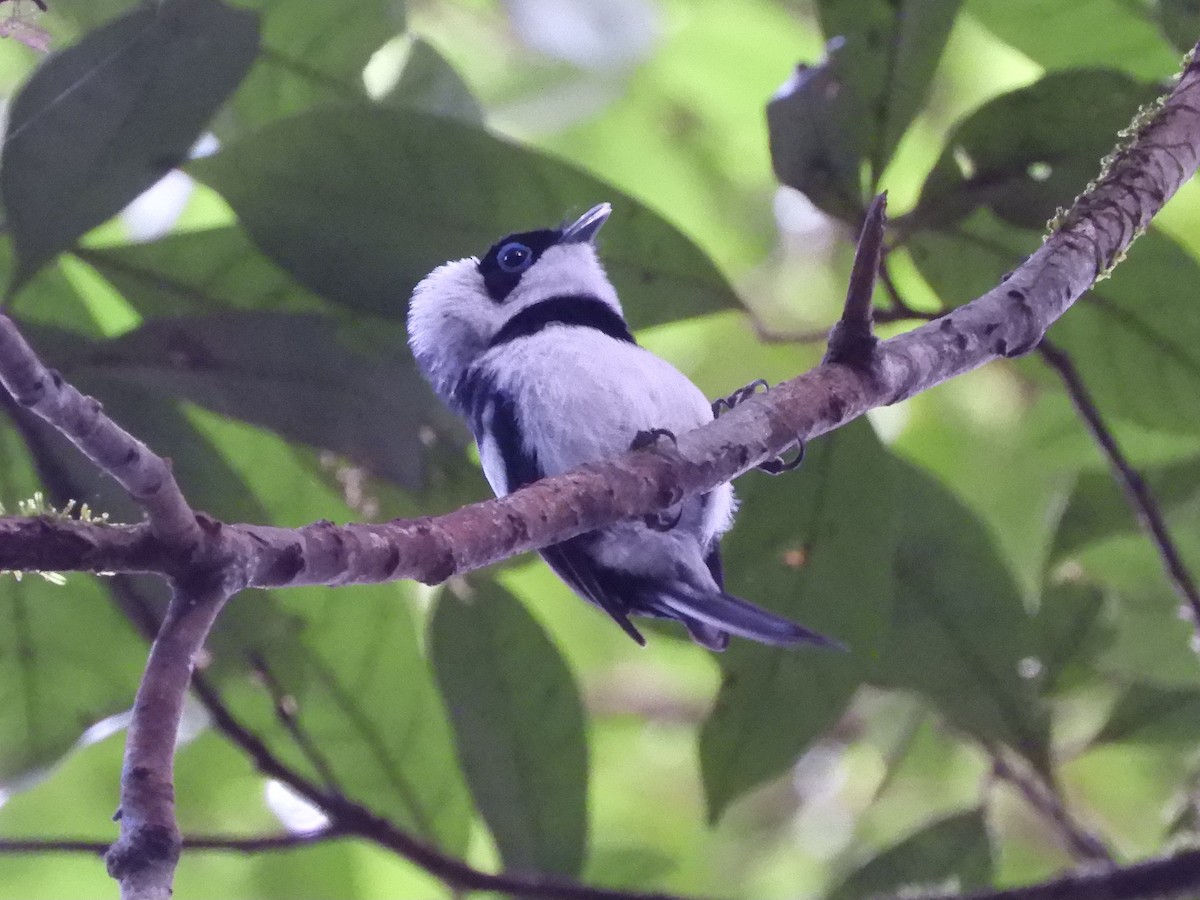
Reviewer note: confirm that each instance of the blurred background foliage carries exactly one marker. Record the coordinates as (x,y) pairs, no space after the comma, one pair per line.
(1011,633)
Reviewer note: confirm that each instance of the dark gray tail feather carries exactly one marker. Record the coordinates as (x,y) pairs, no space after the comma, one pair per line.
(707,616)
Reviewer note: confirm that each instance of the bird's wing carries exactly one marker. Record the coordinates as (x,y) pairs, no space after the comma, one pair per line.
(573,564)
(733,614)
(509,464)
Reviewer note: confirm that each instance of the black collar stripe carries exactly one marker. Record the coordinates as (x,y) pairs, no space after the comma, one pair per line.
(579,310)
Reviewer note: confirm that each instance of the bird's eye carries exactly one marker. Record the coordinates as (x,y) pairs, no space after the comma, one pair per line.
(514,257)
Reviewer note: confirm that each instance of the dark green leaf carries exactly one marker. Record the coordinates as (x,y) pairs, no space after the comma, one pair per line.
(519,727)
(312,53)
(1031,151)
(955,848)
(818,136)
(430,84)
(67,658)
(1073,625)
(1131,337)
(1149,713)
(1082,33)
(310,378)
(1180,20)
(892,50)
(960,633)
(1097,508)
(816,547)
(389,194)
(102,121)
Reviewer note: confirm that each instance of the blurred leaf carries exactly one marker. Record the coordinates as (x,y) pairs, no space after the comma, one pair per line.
(304,376)
(1180,21)
(1082,33)
(1131,337)
(1149,713)
(1097,508)
(311,53)
(959,629)
(818,136)
(1072,625)
(519,727)
(956,848)
(820,555)
(1030,151)
(892,50)
(430,84)
(67,659)
(964,259)
(199,272)
(389,194)
(627,867)
(347,700)
(102,121)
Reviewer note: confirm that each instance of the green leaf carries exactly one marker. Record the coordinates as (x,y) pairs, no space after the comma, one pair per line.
(963,259)
(1097,508)
(389,194)
(430,84)
(1030,151)
(1130,337)
(199,272)
(67,658)
(956,848)
(102,121)
(1083,33)
(815,547)
(309,378)
(519,727)
(1150,713)
(311,53)
(960,632)
(892,49)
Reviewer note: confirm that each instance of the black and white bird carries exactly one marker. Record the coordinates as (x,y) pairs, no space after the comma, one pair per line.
(529,344)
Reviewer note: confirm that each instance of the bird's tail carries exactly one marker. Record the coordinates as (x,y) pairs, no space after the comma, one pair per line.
(711,617)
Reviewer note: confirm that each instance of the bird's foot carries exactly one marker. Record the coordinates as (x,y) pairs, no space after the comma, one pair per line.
(724,404)
(778,465)
(650,437)
(642,440)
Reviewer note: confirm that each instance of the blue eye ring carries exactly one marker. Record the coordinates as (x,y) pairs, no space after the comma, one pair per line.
(514,257)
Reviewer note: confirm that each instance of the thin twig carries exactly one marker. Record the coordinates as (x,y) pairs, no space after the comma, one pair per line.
(221,843)
(1155,879)
(1138,495)
(354,819)
(1081,843)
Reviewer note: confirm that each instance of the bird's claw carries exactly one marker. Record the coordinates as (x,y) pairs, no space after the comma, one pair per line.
(642,440)
(649,437)
(776,466)
(779,465)
(724,404)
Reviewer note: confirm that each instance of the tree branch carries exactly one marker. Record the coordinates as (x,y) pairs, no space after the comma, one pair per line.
(146,477)
(1009,320)
(144,857)
(1137,493)
(220,843)
(1156,879)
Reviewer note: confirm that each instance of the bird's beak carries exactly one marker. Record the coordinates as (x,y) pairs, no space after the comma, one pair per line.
(585,227)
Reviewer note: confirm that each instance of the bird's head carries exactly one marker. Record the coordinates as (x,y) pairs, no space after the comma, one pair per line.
(459,308)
